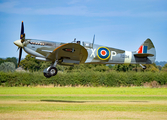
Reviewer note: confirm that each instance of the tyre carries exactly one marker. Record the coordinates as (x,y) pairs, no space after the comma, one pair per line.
(47,75)
(52,71)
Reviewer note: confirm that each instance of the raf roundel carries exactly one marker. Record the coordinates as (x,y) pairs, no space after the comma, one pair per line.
(103,53)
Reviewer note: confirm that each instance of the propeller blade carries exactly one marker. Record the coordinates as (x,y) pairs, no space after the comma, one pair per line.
(22,31)
(20,53)
(18,48)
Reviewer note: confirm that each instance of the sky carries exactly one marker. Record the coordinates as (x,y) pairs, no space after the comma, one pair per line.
(122,24)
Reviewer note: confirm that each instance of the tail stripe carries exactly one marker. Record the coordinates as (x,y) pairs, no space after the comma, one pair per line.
(142,49)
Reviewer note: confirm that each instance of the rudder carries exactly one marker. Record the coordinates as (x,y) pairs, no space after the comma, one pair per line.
(147,49)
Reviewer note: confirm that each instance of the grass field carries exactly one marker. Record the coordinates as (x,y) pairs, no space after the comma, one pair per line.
(83,103)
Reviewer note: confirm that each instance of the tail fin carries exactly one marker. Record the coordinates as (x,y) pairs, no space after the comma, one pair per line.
(147,49)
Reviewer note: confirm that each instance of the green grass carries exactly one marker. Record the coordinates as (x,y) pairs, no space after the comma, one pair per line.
(73,100)
(82,91)
(81,107)
(84,98)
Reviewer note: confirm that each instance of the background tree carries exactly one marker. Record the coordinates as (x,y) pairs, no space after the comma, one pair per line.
(126,67)
(151,67)
(31,64)
(13,59)
(135,67)
(164,68)
(7,67)
(1,60)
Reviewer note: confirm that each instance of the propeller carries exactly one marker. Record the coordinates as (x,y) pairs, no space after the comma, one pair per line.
(20,42)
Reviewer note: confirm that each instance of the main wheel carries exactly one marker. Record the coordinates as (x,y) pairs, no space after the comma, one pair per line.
(47,75)
(52,71)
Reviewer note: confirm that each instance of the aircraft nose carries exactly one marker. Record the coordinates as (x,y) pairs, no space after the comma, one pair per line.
(18,43)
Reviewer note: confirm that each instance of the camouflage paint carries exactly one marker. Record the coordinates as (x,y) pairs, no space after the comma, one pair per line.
(45,49)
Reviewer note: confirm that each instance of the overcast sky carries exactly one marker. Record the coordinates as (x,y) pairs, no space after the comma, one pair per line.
(123,24)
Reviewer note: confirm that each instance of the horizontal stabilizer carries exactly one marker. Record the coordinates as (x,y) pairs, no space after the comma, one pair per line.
(143,55)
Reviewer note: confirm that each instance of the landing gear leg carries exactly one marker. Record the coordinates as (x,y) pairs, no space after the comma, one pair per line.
(51,70)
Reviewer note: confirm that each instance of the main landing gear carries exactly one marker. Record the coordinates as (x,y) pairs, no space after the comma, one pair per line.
(51,70)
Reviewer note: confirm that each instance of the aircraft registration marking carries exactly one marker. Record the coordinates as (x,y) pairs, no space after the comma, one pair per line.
(124,56)
(113,53)
(103,53)
(93,53)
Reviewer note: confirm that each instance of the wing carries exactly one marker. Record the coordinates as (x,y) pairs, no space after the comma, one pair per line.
(69,53)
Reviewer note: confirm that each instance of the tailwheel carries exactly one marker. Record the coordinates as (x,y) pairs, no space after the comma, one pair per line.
(52,71)
(143,66)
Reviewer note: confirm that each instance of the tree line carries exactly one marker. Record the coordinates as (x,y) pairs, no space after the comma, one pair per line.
(31,64)
(8,64)
(12,59)
(83,74)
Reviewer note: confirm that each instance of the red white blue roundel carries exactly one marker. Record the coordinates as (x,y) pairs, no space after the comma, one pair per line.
(103,53)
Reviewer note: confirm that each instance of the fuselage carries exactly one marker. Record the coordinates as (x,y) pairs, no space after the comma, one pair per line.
(97,54)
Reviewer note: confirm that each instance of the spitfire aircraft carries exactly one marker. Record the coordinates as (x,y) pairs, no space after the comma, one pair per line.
(86,53)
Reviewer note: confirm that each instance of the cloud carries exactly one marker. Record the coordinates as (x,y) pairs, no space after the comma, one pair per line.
(72,2)
(12,7)
(152,14)
(75,10)
(16,8)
